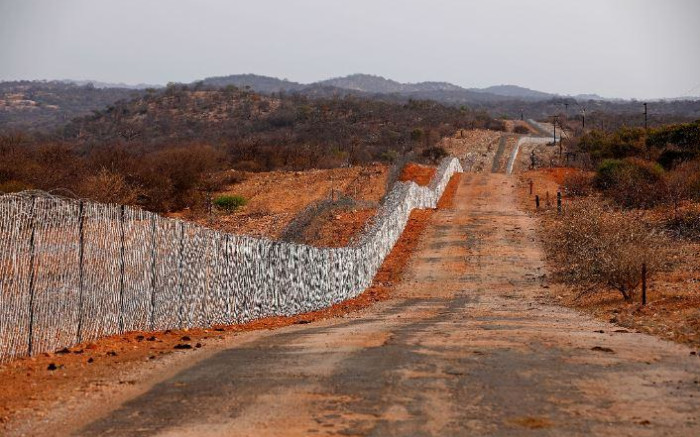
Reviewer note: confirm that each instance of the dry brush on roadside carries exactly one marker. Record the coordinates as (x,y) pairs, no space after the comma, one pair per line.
(596,246)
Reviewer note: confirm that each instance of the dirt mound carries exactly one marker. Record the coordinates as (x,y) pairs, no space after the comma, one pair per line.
(420,174)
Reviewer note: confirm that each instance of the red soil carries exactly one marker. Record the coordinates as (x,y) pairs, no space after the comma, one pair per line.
(420,174)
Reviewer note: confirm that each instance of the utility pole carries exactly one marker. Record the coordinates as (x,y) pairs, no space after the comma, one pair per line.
(583,118)
(554,122)
(645,116)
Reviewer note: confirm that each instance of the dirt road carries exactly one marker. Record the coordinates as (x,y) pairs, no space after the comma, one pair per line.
(470,345)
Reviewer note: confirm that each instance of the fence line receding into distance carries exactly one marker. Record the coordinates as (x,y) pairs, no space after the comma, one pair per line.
(74,271)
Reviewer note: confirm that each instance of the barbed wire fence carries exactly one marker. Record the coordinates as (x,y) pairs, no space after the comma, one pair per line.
(73,271)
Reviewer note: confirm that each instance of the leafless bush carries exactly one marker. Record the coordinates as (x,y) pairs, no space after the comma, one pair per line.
(598,246)
(109,187)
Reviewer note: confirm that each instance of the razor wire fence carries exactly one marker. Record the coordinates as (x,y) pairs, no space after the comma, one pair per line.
(73,271)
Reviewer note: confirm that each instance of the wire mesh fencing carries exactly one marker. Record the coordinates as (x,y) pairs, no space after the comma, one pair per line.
(74,271)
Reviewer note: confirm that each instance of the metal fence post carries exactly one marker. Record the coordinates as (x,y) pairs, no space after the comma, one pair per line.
(229,301)
(153,271)
(180,275)
(81,255)
(121,271)
(31,276)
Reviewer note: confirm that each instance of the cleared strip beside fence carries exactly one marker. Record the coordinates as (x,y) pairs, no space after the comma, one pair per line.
(74,271)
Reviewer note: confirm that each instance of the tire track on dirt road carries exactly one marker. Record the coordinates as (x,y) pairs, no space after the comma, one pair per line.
(469,345)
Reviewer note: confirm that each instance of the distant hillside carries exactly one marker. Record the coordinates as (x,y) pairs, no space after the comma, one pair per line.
(515,92)
(231,114)
(175,113)
(375,86)
(367,84)
(45,106)
(257,83)
(379,85)
(41,105)
(98,84)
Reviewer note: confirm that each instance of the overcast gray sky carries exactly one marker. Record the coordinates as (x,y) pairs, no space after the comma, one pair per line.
(616,48)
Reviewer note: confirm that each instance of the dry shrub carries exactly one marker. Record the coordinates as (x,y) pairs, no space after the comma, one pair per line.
(520,129)
(596,245)
(13,186)
(495,124)
(248,166)
(578,183)
(109,187)
(683,183)
(172,176)
(685,222)
(231,177)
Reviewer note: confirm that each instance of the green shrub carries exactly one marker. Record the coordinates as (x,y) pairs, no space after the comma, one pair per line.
(435,153)
(624,142)
(390,155)
(417,134)
(229,203)
(631,182)
(608,173)
(684,136)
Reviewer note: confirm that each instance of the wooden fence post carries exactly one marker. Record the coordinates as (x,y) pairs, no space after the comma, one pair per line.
(644,284)
(559,202)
